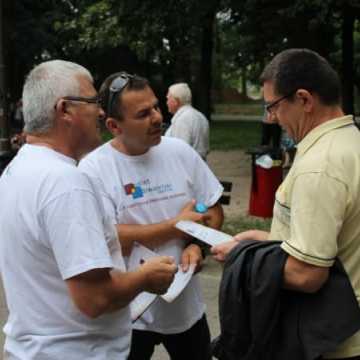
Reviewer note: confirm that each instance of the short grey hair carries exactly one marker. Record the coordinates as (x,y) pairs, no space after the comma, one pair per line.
(182,92)
(44,86)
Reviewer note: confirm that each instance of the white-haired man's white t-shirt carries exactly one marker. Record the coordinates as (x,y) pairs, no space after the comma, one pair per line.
(52,228)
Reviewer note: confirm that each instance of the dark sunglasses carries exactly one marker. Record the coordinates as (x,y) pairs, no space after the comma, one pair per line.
(115,88)
(270,106)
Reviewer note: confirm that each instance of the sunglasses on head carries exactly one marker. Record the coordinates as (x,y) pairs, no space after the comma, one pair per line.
(115,88)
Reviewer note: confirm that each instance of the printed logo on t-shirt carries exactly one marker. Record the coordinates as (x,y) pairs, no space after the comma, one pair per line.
(139,189)
(135,191)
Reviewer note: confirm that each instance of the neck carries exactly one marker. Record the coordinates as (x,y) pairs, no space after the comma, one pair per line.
(51,142)
(179,107)
(127,149)
(321,115)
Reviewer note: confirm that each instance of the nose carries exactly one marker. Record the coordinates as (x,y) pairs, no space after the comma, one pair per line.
(157,117)
(101,113)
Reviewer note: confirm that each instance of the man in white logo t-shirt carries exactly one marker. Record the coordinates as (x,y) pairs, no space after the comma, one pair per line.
(61,263)
(148,183)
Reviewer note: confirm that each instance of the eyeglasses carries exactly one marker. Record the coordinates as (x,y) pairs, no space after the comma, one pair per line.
(89,100)
(270,108)
(115,88)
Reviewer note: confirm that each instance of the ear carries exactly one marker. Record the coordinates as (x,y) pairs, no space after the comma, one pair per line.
(178,103)
(114,126)
(306,98)
(62,113)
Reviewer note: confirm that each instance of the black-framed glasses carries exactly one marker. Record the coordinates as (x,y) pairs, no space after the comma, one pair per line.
(89,100)
(115,88)
(270,107)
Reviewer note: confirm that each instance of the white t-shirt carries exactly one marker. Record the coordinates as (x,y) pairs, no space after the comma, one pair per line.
(191,126)
(52,228)
(148,189)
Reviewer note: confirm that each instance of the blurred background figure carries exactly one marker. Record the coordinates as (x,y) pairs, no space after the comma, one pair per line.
(18,115)
(187,123)
(271,132)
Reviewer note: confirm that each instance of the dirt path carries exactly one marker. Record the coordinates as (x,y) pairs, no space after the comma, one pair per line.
(234,166)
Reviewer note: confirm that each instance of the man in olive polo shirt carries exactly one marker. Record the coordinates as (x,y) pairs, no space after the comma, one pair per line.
(317,208)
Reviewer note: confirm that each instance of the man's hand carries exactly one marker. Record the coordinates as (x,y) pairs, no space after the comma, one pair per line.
(188,213)
(220,252)
(159,273)
(191,255)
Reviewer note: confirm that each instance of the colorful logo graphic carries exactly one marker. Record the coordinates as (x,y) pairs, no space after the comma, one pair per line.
(134,190)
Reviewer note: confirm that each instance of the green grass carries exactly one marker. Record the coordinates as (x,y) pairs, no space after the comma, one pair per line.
(232,135)
(234,225)
(253,108)
(227,135)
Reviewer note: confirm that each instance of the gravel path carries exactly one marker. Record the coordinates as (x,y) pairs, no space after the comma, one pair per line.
(234,166)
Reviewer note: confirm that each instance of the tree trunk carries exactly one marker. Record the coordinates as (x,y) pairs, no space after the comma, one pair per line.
(205,72)
(348,60)
(243,83)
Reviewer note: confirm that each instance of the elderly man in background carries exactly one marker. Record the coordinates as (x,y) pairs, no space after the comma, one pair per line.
(187,123)
(60,259)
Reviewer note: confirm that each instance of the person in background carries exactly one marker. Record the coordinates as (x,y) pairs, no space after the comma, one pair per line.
(271,132)
(187,123)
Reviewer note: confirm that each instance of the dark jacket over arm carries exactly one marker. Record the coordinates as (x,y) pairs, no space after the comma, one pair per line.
(262,321)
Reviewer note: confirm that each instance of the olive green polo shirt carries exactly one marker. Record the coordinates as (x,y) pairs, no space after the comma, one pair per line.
(317,207)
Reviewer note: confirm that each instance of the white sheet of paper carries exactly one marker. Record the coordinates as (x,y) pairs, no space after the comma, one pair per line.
(208,235)
(179,283)
(139,305)
(139,253)
(141,302)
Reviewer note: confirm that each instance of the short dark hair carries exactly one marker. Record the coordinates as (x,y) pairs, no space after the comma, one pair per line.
(135,83)
(295,69)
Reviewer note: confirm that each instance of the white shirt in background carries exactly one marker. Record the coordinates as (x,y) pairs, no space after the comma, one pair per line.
(191,126)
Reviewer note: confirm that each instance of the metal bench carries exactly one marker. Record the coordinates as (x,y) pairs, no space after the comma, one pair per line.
(226,197)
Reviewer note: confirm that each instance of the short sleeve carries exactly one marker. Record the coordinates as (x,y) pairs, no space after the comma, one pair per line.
(75,233)
(87,167)
(318,205)
(207,188)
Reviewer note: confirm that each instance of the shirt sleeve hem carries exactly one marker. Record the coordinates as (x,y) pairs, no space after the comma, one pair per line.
(99,264)
(312,260)
(216,197)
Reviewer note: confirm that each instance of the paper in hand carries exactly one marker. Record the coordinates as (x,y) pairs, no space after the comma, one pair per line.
(204,233)
(179,283)
(141,302)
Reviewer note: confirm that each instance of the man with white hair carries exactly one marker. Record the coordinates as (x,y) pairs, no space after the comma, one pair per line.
(60,259)
(187,123)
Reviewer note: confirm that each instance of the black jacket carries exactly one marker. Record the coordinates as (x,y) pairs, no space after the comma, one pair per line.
(262,321)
